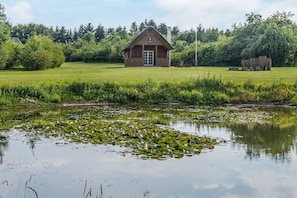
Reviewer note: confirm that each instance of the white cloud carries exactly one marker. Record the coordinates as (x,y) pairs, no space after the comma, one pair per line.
(218,13)
(20,12)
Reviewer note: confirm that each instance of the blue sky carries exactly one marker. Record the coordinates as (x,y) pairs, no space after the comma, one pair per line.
(185,14)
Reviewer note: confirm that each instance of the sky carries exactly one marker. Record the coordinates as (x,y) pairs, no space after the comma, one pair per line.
(185,14)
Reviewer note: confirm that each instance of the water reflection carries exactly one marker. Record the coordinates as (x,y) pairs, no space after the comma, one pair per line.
(257,140)
(32,141)
(60,170)
(265,139)
(3,146)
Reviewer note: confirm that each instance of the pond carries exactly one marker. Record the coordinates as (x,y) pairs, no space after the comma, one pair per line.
(255,154)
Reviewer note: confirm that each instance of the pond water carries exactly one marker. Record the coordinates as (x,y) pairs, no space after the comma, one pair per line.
(256,156)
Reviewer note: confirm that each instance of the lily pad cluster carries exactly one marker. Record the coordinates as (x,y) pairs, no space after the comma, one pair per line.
(148,141)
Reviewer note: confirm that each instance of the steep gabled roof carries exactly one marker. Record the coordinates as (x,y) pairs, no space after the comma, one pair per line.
(17,40)
(166,44)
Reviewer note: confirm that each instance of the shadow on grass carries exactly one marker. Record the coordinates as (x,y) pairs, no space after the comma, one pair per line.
(115,67)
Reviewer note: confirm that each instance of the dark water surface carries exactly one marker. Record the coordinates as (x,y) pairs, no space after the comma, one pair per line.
(256,157)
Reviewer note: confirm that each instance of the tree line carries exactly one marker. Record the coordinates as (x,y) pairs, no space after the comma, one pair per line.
(274,36)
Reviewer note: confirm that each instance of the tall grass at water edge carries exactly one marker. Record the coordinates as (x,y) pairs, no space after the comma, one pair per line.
(192,91)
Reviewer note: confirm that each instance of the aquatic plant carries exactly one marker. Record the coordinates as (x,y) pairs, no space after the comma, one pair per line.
(147,141)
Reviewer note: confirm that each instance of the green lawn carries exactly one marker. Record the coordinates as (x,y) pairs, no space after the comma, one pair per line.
(117,72)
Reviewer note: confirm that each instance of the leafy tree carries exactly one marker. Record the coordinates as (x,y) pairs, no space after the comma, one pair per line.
(89,28)
(142,26)
(147,23)
(225,54)
(4,27)
(253,18)
(41,53)
(175,31)
(277,43)
(162,28)
(12,51)
(273,37)
(207,54)
(76,35)
(3,59)
(188,36)
(4,36)
(2,13)
(133,28)
(89,37)
(210,35)
(110,31)
(62,35)
(23,32)
(99,33)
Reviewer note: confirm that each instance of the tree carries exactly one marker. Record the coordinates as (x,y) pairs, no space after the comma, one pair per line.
(151,23)
(273,37)
(253,18)
(23,32)
(41,53)
(110,31)
(2,13)
(210,35)
(277,43)
(147,23)
(175,31)
(89,37)
(188,36)
(4,36)
(99,33)
(12,51)
(89,28)
(142,26)
(4,27)
(162,28)
(133,28)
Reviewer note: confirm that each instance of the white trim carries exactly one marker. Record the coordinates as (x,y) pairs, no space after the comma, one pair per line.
(148,58)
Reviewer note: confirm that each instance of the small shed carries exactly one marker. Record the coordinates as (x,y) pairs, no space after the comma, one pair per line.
(149,48)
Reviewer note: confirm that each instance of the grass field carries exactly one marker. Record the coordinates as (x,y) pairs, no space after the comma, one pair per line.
(117,72)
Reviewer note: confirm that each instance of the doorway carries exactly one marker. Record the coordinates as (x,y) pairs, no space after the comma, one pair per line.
(149,58)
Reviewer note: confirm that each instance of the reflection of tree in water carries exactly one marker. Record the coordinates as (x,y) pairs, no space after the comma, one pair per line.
(31,142)
(265,138)
(3,146)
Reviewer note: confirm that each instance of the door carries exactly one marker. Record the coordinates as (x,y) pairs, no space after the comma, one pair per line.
(149,58)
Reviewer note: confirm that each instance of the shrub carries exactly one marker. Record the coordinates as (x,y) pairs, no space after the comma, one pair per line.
(76,57)
(41,53)
(12,52)
(190,97)
(3,59)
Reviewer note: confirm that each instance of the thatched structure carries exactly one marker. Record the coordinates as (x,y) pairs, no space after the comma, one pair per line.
(149,48)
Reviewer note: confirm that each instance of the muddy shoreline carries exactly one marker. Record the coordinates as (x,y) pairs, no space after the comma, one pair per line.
(239,105)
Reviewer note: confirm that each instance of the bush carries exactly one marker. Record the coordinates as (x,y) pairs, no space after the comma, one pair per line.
(41,53)
(76,57)
(12,52)
(190,97)
(3,59)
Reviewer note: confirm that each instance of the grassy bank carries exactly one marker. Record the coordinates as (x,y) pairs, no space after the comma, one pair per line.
(80,82)
(191,91)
